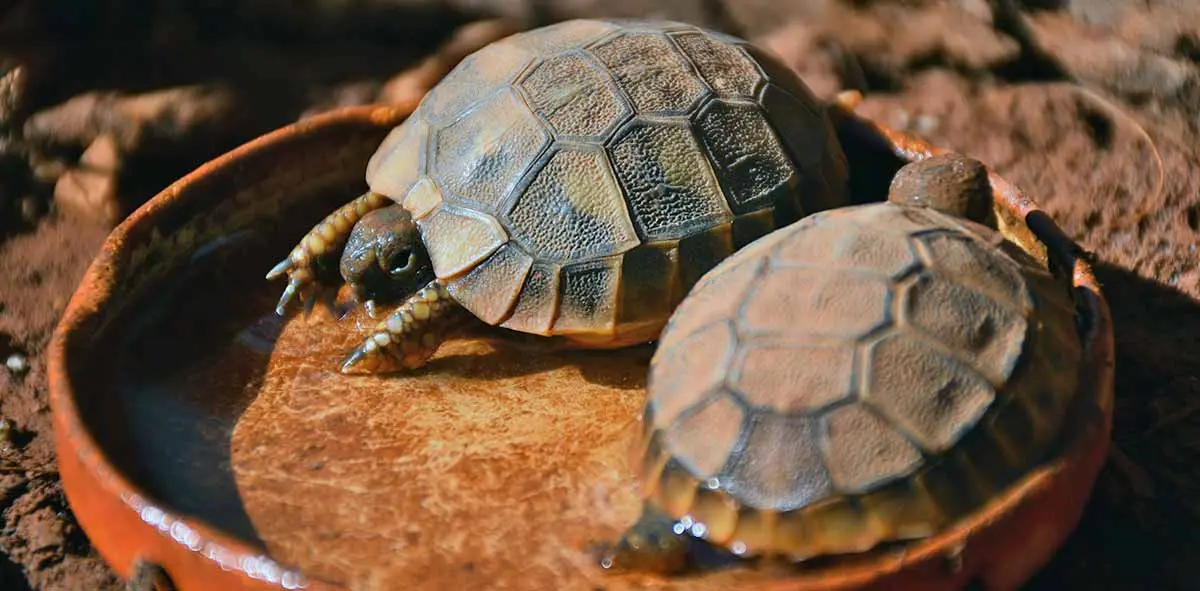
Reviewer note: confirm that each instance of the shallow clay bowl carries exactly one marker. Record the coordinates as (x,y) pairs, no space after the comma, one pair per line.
(198,432)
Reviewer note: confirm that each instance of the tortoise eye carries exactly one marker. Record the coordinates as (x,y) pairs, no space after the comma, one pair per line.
(401,263)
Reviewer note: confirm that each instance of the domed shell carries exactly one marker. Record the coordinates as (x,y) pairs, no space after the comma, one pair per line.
(558,168)
(868,374)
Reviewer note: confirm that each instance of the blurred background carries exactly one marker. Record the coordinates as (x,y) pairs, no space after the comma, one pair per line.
(1092,106)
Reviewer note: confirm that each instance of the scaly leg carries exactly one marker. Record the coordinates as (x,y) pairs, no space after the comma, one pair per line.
(410,335)
(320,247)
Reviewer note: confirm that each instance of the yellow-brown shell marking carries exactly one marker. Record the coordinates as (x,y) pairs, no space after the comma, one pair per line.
(868,374)
(577,179)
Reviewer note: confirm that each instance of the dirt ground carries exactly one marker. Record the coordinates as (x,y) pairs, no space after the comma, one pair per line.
(1092,106)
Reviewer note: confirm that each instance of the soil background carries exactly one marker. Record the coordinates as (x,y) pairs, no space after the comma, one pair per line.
(1092,106)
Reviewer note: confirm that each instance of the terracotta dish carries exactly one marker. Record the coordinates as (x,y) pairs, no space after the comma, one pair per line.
(204,440)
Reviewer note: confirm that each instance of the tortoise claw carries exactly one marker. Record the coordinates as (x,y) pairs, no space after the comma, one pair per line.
(289,292)
(352,364)
(321,245)
(278,270)
(372,358)
(302,286)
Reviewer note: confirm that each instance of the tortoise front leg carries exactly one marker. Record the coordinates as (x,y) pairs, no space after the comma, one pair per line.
(410,335)
(319,246)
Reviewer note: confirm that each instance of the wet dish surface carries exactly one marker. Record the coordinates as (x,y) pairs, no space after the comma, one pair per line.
(502,463)
(499,462)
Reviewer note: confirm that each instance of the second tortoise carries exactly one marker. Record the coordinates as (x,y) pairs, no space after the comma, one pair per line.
(868,375)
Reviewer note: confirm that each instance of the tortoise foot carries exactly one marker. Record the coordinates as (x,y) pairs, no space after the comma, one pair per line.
(410,335)
(314,258)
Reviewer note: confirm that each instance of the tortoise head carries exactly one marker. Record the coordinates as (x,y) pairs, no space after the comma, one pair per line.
(952,183)
(384,258)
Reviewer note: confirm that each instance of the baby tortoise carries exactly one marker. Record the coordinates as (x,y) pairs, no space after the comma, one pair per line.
(866,376)
(573,180)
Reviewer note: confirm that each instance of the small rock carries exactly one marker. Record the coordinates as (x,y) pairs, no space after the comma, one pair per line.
(138,121)
(6,434)
(90,190)
(89,195)
(102,155)
(12,91)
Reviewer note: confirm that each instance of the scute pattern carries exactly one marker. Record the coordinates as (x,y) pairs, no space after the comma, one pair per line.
(573,210)
(490,290)
(482,156)
(563,36)
(706,436)
(600,144)
(651,72)
(795,378)
(726,68)
(982,328)
(687,371)
(960,258)
(862,446)
(478,235)
(589,297)
(748,159)
(422,199)
(828,303)
(795,119)
(927,393)
(537,304)
(492,67)
(858,358)
(668,182)
(574,97)
(400,159)
(891,254)
(779,469)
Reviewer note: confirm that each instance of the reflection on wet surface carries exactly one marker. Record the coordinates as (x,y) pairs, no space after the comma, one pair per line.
(181,382)
(499,461)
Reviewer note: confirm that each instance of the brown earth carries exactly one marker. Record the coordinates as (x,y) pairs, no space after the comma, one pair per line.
(1093,106)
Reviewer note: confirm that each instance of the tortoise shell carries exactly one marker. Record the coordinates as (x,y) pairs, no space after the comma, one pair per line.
(866,375)
(578,179)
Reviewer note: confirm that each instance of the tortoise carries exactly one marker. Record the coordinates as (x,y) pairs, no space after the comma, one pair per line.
(573,180)
(859,379)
